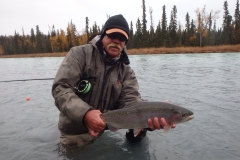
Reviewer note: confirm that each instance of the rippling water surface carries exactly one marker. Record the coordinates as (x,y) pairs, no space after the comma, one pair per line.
(207,84)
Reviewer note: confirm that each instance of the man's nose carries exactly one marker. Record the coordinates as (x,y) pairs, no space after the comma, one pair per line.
(116,40)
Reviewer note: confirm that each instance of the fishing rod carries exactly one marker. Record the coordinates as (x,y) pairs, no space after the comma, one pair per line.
(22,80)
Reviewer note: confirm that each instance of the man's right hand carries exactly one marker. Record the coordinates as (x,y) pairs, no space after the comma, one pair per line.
(94,123)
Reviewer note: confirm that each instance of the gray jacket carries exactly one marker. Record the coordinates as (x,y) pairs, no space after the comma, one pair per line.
(111,88)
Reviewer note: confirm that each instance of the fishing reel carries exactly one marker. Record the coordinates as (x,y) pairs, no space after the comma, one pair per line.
(83,87)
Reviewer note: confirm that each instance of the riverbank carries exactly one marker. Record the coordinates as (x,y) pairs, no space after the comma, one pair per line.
(161,50)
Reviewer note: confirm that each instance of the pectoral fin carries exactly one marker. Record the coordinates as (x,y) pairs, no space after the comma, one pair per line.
(136,131)
(166,129)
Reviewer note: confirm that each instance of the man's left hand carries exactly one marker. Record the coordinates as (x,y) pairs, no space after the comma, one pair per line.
(158,123)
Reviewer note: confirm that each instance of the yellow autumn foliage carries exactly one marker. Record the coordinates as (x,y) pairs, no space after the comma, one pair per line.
(204,32)
(54,44)
(83,38)
(192,39)
(63,43)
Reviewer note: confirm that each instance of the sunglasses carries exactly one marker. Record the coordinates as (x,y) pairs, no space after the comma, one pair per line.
(119,36)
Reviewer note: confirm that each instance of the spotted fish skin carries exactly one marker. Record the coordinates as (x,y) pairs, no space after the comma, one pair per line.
(136,116)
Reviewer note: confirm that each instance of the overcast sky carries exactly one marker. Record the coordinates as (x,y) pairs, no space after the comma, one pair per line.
(26,14)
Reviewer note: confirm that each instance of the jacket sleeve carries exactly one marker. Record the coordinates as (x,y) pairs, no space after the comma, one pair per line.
(66,79)
(130,89)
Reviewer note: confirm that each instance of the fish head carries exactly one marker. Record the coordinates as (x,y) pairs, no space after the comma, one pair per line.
(180,116)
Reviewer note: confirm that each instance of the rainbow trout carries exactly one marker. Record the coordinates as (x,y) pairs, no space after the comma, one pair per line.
(136,116)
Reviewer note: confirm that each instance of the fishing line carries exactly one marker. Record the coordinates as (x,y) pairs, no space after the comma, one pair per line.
(22,80)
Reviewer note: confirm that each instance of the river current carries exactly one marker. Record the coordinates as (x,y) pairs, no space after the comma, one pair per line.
(207,84)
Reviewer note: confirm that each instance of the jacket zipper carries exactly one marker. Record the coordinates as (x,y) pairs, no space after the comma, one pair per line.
(106,74)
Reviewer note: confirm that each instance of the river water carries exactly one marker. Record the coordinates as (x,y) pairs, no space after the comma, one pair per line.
(207,84)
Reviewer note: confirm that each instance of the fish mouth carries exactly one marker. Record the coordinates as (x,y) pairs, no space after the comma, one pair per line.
(189,118)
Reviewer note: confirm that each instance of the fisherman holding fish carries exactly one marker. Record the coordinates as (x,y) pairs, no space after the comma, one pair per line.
(95,78)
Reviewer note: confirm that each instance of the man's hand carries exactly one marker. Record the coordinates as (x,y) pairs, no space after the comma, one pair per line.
(94,123)
(158,123)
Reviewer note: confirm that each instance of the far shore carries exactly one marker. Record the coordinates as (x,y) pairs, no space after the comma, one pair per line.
(161,50)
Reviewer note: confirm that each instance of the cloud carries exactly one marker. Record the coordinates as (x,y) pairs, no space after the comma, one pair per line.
(26,14)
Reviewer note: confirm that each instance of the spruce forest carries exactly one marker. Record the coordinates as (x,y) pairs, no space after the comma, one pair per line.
(195,32)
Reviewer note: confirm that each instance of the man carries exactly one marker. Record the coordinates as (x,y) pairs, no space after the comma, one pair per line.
(92,79)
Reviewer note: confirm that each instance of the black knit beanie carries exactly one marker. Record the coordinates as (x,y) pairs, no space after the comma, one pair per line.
(117,21)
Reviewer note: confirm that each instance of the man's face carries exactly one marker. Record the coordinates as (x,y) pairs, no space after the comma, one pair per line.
(114,44)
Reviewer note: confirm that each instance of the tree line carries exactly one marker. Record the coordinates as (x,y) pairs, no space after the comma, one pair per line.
(199,32)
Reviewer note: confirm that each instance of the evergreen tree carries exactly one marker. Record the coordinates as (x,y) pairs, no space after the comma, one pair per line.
(144,38)
(168,41)
(53,31)
(95,29)
(218,37)
(138,35)
(187,25)
(151,34)
(151,18)
(187,30)
(39,46)
(237,23)
(164,26)
(179,34)
(144,20)
(193,37)
(184,38)
(227,20)
(192,28)
(130,41)
(48,44)
(200,28)
(33,38)
(158,34)
(210,22)
(210,36)
(87,27)
(16,43)
(204,33)
(173,27)
(237,16)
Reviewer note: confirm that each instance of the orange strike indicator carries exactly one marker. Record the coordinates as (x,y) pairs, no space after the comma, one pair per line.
(27,98)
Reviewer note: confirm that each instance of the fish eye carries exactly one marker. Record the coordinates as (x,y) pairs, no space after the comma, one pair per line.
(184,114)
